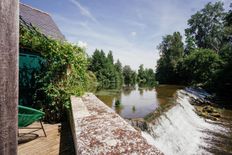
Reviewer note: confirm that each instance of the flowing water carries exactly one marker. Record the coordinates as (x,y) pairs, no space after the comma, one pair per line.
(177,129)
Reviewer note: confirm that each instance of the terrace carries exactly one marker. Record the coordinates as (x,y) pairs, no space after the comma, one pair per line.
(58,140)
(94,129)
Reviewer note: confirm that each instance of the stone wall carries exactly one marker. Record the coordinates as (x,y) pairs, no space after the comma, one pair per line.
(97,129)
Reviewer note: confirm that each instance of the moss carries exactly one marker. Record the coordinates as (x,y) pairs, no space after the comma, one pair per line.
(208,112)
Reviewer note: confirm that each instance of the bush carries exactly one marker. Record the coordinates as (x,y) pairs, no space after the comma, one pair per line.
(63,72)
(199,67)
(117,103)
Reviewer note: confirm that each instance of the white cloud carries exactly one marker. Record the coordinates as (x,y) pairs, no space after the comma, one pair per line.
(151,20)
(133,33)
(84,11)
(123,49)
(82,44)
(138,24)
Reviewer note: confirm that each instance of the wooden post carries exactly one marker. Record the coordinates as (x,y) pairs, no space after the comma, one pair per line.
(9,36)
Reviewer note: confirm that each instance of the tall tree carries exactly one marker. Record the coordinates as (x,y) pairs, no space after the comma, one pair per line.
(223,81)
(141,74)
(110,57)
(98,60)
(129,76)
(228,27)
(104,69)
(150,77)
(118,67)
(190,43)
(146,77)
(171,50)
(206,27)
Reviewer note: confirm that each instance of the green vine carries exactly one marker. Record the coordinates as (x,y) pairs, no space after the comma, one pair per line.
(63,72)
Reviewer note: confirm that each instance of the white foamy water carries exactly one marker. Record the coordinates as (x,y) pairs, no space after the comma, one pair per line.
(180,130)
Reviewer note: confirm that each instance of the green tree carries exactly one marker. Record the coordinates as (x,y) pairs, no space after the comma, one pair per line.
(206,27)
(208,52)
(110,57)
(146,77)
(118,67)
(98,61)
(171,50)
(190,43)
(150,77)
(141,76)
(199,67)
(104,69)
(129,76)
(223,81)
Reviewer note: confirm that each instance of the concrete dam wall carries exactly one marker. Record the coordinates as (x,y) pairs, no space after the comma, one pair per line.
(97,129)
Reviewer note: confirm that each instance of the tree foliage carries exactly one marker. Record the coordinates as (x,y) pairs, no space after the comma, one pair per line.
(208,52)
(171,50)
(108,75)
(199,67)
(118,67)
(112,75)
(206,27)
(129,76)
(223,80)
(146,77)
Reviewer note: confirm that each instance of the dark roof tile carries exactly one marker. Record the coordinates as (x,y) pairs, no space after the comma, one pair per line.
(42,20)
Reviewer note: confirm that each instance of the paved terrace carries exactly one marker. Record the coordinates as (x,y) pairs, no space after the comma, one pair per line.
(97,129)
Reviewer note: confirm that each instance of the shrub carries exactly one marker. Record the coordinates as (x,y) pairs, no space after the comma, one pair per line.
(117,103)
(63,72)
(199,67)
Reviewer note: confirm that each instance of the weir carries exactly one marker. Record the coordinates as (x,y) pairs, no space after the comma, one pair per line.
(97,129)
(180,130)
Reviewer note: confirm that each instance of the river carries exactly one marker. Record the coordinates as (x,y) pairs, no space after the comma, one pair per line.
(175,128)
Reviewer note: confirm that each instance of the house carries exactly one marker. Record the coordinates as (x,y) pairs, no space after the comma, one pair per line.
(29,61)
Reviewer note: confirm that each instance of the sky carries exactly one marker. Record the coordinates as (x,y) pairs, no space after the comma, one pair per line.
(132,29)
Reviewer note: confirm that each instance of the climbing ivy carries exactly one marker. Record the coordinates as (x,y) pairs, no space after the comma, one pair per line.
(63,72)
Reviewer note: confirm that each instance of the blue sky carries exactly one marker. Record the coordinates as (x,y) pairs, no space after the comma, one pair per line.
(132,29)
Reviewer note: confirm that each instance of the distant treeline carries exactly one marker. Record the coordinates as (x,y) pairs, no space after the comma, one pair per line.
(206,58)
(112,75)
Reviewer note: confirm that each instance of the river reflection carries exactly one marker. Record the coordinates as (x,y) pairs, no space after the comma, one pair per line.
(138,102)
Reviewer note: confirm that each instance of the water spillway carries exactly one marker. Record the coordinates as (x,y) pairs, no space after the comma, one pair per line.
(180,130)
(171,121)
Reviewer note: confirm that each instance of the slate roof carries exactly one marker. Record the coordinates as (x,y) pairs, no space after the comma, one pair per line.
(42,20)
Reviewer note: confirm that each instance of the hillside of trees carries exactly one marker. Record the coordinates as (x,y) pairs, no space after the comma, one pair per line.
(113,75)
(206,58)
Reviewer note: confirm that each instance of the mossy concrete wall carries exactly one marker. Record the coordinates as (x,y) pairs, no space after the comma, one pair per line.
(97,129)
